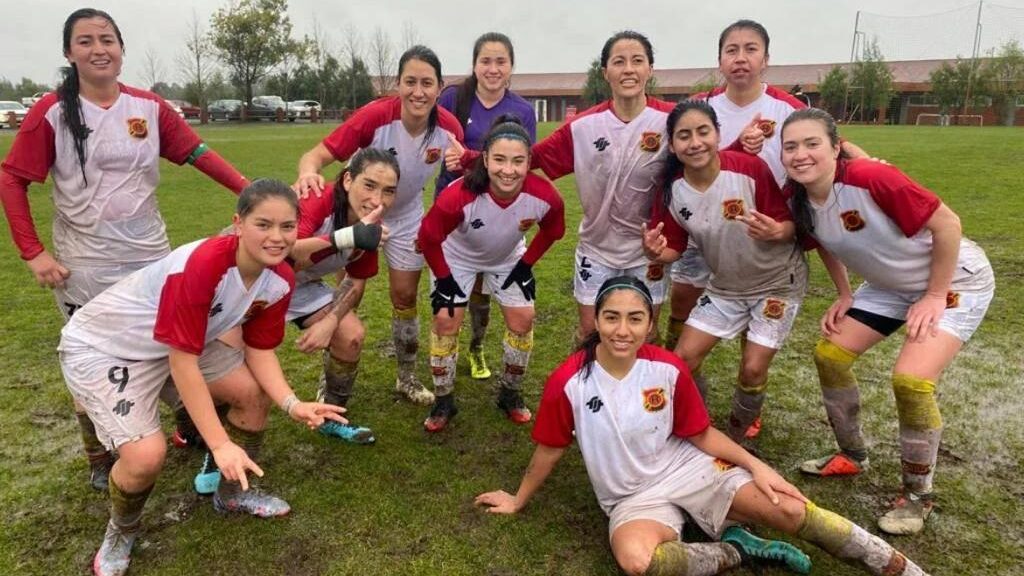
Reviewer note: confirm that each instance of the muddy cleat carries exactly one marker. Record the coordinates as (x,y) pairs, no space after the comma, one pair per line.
(187,438)
(512,403)
(907,515)
(208,478)
(838,464)
(760,551)
(115,553)
(252,501)
(478,369)
(347,432)
(753,430)
(414,391)
(444,410)
(99,471)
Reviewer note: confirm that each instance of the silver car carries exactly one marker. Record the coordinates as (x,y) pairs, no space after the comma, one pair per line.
(7,107)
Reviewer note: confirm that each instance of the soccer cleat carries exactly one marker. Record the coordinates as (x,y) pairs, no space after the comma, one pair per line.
(187,438)
(478,369)
(761,551)
(252,501)
(753,430)
(907,515)
(208,478)
(347,432)
(512,403)
(414,391)
(444,410)
(115,553)
(99,471)
(838,464)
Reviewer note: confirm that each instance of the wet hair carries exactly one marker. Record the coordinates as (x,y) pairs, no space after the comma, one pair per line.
(426,55)
(262,190)
(673,167)
(803,216)
(467,90)
(606,51)
(609,287)
(357,164)
(744,25)
(67,91)
(505,127)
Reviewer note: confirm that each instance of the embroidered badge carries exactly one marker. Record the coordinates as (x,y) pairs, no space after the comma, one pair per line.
(723,465)
(767,127)
(255,308)
(433,155)
(952,299)
(731,209)
(655,271)
(852,220)
(654,399)
(774,309)
(138,128)
(650,141)
(416,246)
(525,225)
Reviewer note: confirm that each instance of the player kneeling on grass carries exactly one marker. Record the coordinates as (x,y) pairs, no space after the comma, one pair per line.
(917,269)
(118,350)
(652,456)
(477,227)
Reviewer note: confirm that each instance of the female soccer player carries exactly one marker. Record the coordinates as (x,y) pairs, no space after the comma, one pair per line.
(477,227)
(477,102)
(164,320)
(417,131)
(758,272)
(101,143)
(652,455)
(917,269)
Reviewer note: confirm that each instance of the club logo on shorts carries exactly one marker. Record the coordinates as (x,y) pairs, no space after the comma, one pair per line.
(416,246)
(852,220)
(654,399)
(123,407)
(255,308)
(433,155)
(952,299)
(774,309)
(732,208)
(650,141)
(655,271)
(526,224)
(723,465)
(767,127)
(138,127)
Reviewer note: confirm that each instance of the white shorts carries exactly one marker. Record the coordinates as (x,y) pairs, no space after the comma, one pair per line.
(702,487)
(121,396)
(590,275)
(511,297)
(691,268)
(308,298)
(87,282)
(768,320)
(964,310)
(400,249)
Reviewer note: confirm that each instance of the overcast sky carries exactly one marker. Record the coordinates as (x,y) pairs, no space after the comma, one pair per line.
(549,35)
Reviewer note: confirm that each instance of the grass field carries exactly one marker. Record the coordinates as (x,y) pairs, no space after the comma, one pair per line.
(405,505)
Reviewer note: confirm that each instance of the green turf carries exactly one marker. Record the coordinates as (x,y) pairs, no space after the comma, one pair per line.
(404,506)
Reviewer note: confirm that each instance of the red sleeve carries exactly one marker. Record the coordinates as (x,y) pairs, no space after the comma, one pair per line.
(363,266)
(177,139)
(736,146)
(313,210)
(555,422)
(689,416)
(554,154)
(444,216)
(221,171)
(186,297)
(676,235)
(551,227)
(14,195)
(906,202)
(34,150)
(265,328)
(357,132)
(768,197)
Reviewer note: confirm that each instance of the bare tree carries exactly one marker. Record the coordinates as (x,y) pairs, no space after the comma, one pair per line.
(195,62)
(382,59)
(152,69)
(410,36)
(352,43)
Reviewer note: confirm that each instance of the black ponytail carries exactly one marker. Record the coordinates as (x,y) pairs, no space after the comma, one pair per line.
(505,127)
(803,215)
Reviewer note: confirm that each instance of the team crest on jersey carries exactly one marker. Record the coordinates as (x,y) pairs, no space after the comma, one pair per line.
(723,465)
(654,399)
(255,308)
(774,309)
(732,208)
(526,224)
(432,155)
(852,220)
(767,127)
(952,299)
(650,141)
(655,271)
(138,127)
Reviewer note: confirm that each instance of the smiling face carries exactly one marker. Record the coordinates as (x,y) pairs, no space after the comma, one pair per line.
(492,68)
(418,87)
(628,69)
(95,50)
(808,153)
(268,232)
(623,320)
(507,161)
(694,140)
(743,58)
(375,186)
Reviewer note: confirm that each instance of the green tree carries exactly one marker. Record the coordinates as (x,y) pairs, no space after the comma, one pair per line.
(1003,76)
(595,89)
(871,81)
(357,84)
(833,89)
(706,84)
(251,37)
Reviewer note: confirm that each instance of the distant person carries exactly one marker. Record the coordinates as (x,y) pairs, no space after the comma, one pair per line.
(101,143)
(918,270)
(476,229)
(654,459)
(477,102)
(413,128)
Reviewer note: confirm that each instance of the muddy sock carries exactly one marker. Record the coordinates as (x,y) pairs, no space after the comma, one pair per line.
(673,332)
(94,449)
(683,559)
(854,545)
(747,401)
(516,358)
(405,331)
(339,379)
(479,317)
(841,395)
(444,353)
(920,430)
(126,508)
(249,440)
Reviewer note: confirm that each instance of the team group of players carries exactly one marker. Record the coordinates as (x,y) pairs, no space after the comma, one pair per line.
(728,189)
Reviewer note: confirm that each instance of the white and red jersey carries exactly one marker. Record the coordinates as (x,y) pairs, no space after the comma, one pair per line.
(617,165)
(485,233)
(316,218)
(113,215)
(630,431)
(379,125)
(740,266)
(874,223)
(183,301)
(773,105)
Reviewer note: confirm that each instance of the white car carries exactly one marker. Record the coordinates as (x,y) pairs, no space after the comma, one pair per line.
(7,107)
(303,108)
(176,108)
(29,101)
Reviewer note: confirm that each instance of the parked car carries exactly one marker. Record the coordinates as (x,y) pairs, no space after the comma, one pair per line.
(187,109)
(303,108)
(267,107)
(28,101)
(225,110)
(176,108)
(6,107)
